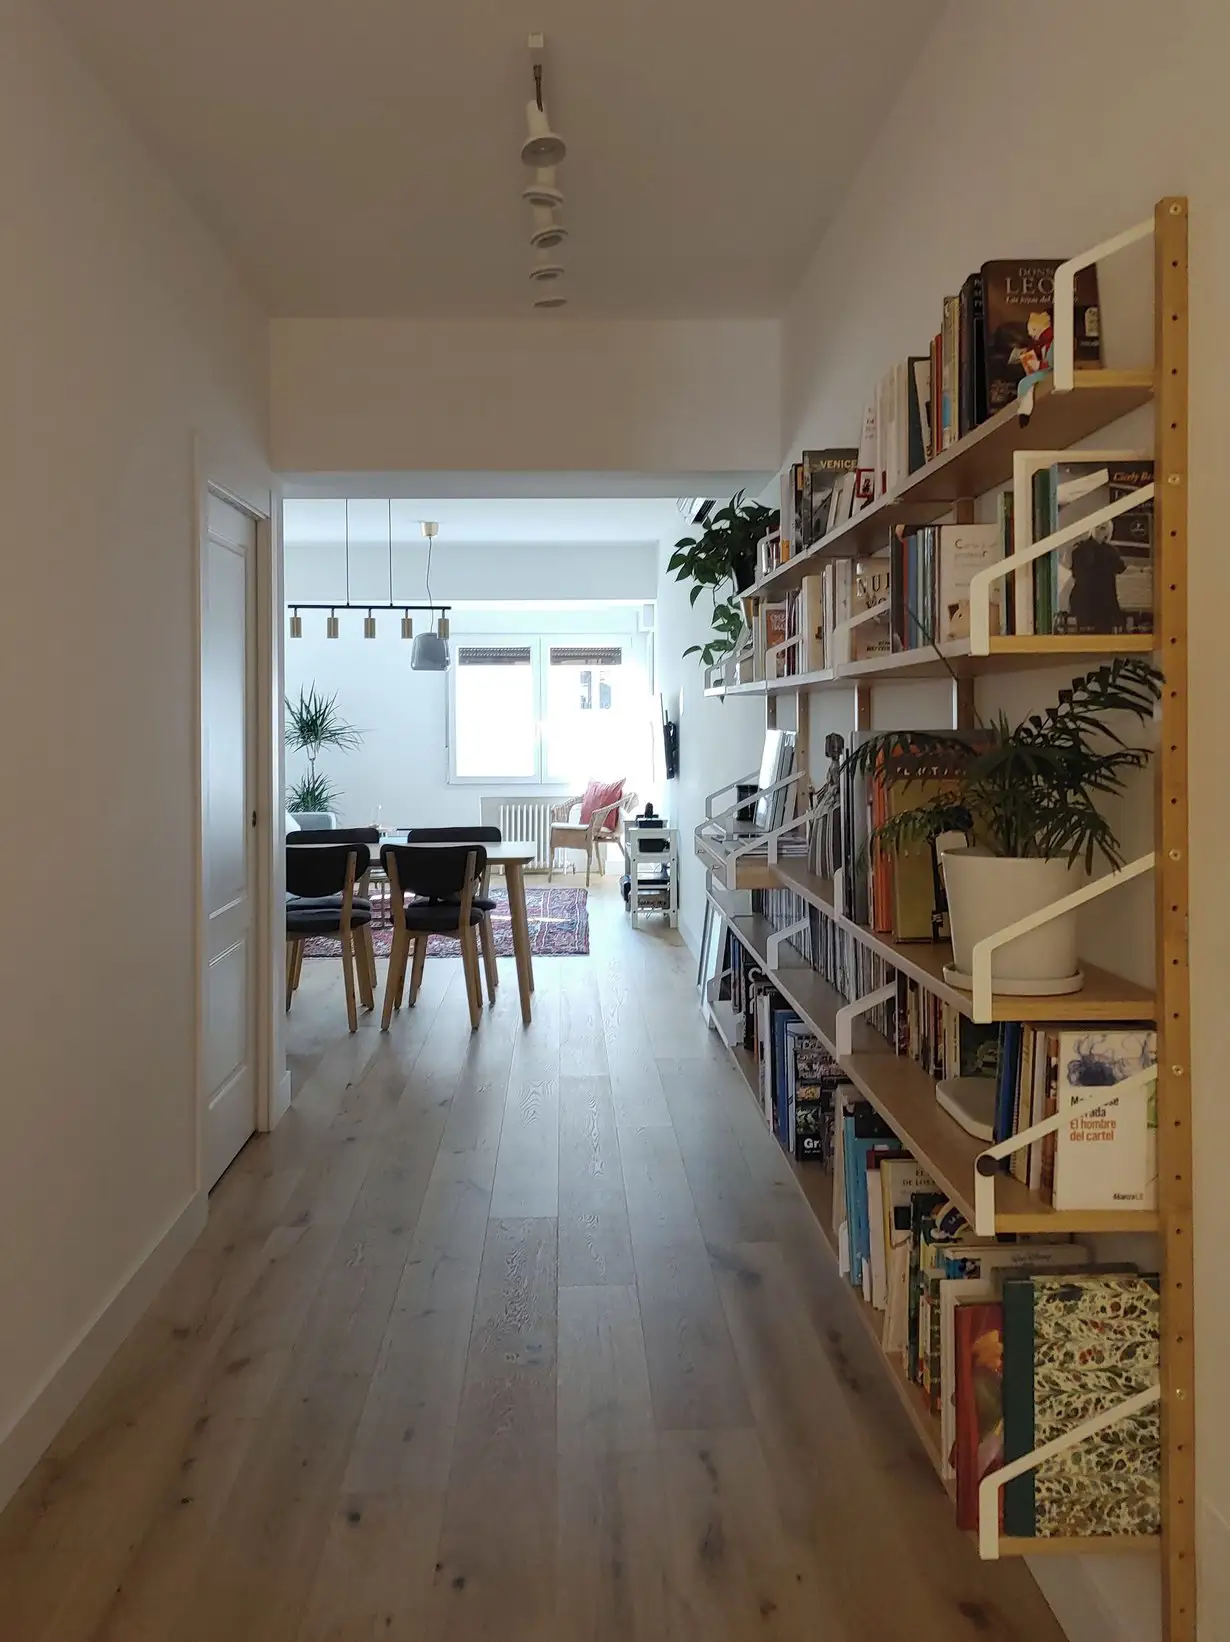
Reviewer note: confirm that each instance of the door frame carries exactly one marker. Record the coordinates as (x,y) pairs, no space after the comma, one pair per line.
(257,495)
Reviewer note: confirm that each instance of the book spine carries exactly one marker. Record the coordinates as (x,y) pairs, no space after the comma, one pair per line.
(1019,1515)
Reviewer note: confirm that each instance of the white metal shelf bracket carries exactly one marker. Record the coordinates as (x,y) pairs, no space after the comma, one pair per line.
(839,638)
(739,781)
(984,949)
(774,942)
(986,1164)
(1063,353)
(983,580)
(843,1035)
(706,845)
(990,1486)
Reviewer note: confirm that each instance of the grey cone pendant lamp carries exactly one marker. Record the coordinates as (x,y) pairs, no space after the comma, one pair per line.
(429,651)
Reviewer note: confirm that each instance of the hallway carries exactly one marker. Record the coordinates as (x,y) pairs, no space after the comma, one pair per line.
(525,1335)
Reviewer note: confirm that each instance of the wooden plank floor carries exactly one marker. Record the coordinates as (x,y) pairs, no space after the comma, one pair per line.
(524,1336)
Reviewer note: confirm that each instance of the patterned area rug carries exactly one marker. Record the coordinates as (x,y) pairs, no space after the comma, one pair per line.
(558,918)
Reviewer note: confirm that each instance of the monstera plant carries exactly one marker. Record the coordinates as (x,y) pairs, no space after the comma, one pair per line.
(722,562)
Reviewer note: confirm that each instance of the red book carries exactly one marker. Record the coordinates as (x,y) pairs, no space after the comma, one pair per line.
(979,1357)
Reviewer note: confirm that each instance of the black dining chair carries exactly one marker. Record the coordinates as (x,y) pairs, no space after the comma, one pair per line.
(320,884)
(370,836)
(433,887)
(484,900)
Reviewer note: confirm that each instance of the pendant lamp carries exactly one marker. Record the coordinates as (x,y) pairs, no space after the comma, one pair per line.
(429,651)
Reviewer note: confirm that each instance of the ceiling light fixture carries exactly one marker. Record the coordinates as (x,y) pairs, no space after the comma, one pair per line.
(542,147)
(542,191)
(543,272)
(548,233)
(429,652)
(296,625)
(554,301)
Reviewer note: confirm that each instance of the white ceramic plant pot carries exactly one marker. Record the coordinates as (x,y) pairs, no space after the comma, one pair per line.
(986,893)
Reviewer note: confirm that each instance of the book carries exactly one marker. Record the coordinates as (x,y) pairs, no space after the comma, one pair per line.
(823,471)
(961,551)
(866,473)
(1102,582)
(948,373)
(978,1413)
(1018,318)
(919,434)
(971,389)
(1076,1345)
(871,591)
(1106,1158)
(977,1273)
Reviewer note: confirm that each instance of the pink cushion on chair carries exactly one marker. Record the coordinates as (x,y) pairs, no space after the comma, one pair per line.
(597,796)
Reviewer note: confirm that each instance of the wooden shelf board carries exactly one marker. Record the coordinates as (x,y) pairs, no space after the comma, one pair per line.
(1104,996)
(1091,1545)
(974,465)
(816,1186)
(1008,655)
(752,687)
(743,873)
(904,1096)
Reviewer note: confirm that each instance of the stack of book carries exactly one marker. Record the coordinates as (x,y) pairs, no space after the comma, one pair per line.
(930,571)
(1103,1158)
(1100,582)
(997,1336)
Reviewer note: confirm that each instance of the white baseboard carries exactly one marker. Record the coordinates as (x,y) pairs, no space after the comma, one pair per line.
(23,1445)
(281,1100)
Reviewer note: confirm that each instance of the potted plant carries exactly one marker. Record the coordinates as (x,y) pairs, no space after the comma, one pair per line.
(1024,805)
(312,724)
(723,559)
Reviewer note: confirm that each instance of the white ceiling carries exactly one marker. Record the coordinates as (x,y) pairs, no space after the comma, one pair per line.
(564,523)
(360,157)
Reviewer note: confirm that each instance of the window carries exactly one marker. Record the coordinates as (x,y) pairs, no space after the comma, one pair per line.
(495,713)
(546,712)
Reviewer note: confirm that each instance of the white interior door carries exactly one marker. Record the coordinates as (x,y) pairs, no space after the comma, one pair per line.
(228,755)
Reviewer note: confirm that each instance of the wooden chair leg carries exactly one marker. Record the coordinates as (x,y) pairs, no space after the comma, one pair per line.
(420,958)
(588,862)
(487,936)
(474,984)
(402,967)
(352,1014)
(551,859)
(300,947)
(397,972)
(293,949)
(363,967)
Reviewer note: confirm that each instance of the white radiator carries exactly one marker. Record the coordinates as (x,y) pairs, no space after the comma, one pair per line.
(525,820)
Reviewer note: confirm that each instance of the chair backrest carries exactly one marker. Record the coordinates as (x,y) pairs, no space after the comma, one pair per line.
(337,835)
(436,872)
(324,869)
(454,835)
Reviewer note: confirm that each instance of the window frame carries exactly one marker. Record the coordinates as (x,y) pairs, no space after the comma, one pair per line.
(540,646)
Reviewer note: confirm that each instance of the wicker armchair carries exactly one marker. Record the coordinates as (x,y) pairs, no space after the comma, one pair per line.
(603,827)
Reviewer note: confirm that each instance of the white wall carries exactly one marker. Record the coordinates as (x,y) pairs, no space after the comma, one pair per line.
(719,739)
(652,396)
(124,333)
(972,162)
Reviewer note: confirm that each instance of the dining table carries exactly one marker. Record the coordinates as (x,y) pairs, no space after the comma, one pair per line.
(512,856)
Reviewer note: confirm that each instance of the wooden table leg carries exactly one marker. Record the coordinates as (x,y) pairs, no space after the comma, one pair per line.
(514,877)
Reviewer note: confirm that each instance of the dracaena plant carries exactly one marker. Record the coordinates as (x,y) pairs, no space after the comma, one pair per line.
(1031,790)
(312,724)
(721,561)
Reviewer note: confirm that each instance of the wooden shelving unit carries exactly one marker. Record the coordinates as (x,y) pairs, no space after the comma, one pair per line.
(974,465)
(896,1086)
(1007,655)
(1104,997)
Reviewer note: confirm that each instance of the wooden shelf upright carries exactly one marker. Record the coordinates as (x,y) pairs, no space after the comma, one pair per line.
(897,1086)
